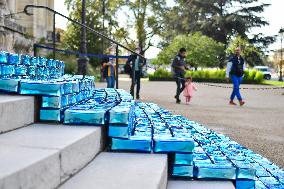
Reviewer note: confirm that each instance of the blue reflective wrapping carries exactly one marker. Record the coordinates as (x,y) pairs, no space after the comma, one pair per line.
(51,102)
(50,115)
(245,184)
(171,144)
(136,144)
(14,59)
(182,171)
(21,70)
(118,131)
(4,57)
(216,171)
(88,117)
(40,88)
(9,85)
(8,71)
(271,182)
(119,115)
(183,159)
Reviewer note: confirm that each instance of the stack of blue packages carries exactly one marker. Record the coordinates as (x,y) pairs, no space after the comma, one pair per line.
(94,111)
(69,93)
(139,134)
(10,72)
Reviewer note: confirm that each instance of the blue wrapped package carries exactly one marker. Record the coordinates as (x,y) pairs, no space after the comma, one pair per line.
(118,131)
(4,57)
(41,88)
(245,184)
(183,159)
(134,143)
(25,60)
(9,85)
(67,87)
(119,115)
(171,144)
(20,70)
(14,59)
(182,171)
(8,71)
(42,62)
(88,117)
(51,102)
(244,170)
(260,185)
(50,115)
(34,61)
(271,182)
(215,171)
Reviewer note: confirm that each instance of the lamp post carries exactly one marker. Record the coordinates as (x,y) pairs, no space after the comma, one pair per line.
(83,59)
(281,34)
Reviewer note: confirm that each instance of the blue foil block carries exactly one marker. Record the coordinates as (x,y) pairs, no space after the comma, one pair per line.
(183,171)
(31,71)
(26,60)
(133,144)
(67,86)
(34,61)
(88,117)
(51,102)
(4,57)
(245,170)
(8,71)
(259,185)
(21,70)
(245,184)
(172,144)
(14,59)
(119,115)
(50,115)
(183,159)
(75,87)
(42,61)
(213,171)
(270,182)
(9,85)
(118,131)
(41,88)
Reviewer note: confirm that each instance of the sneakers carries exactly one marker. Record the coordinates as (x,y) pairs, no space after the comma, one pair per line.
(242,103)
(232,103)
(177,99)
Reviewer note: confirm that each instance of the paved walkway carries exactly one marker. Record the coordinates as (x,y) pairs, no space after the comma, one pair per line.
(259,125)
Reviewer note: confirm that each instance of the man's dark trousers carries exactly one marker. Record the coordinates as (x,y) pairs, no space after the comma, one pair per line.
(180,81)
(137,82)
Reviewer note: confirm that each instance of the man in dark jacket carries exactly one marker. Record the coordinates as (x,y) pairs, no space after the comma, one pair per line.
(235,70)
(178,68)
(135,62)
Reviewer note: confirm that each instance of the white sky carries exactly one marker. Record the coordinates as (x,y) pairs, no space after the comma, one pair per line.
(273,14)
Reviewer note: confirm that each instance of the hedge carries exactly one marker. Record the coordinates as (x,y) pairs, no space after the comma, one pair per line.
(215,76)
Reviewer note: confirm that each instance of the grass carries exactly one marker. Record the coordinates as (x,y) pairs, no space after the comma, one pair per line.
(274,83)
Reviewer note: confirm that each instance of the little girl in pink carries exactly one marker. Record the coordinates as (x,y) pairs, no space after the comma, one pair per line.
(188,90)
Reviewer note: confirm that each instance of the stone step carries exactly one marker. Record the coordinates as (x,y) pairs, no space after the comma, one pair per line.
(122,170)
(200,185)
(16,112)
(43,156)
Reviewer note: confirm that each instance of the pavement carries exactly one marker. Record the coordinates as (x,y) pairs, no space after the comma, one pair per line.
(259,125)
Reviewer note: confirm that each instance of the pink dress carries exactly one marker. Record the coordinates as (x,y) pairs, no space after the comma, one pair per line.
(188,90)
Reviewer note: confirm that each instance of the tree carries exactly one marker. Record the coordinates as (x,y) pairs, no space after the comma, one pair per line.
(252,55)
(94,19)
(202,51)
(220,19)
(146,19)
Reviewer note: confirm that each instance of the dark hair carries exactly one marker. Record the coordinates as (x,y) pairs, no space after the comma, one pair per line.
(105,60)
(182,50)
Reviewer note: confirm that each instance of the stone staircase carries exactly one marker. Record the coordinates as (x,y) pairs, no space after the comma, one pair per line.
(47,156)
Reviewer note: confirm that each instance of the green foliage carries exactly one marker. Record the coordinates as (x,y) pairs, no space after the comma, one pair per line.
(252,55)
(251,76)
(202,51)
(220,20)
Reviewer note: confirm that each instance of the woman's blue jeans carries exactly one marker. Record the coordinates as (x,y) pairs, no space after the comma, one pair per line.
(236,90)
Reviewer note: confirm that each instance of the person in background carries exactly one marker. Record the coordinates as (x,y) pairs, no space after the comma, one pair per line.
(178,68)
(135,62)
(235,70)
(188,90)
(109,72)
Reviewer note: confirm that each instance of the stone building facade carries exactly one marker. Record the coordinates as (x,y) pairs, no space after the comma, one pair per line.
(19,31)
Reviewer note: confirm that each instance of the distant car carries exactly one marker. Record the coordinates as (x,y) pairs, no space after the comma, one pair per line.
(265,70)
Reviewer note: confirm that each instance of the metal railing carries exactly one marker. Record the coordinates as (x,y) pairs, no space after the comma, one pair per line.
(93,31)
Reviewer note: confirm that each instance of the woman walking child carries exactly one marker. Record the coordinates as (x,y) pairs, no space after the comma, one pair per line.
(189,89)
